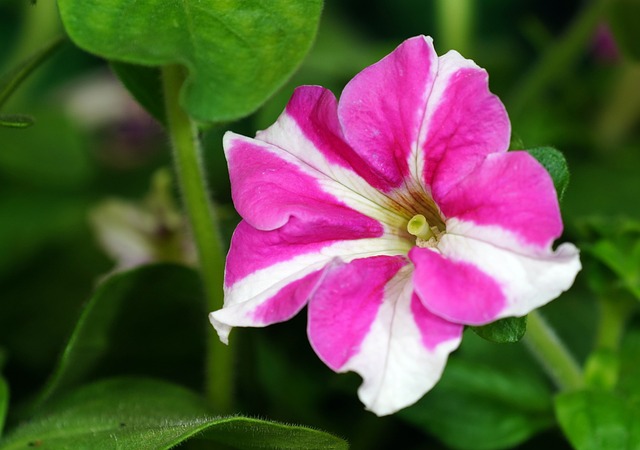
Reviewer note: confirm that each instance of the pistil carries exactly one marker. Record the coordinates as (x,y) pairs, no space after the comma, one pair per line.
(426,235)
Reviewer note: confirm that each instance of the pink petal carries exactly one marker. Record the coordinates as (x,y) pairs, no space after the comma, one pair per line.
(269,186)
(511,191)
(253,250)
(342,311)
(365,318)
(278,303)
(528,277)
(456,290)
(270,274)
(309,130)
(382,108)
(464,123)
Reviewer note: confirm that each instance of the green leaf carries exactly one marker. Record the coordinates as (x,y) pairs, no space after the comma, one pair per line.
(623,15)
(237,52)
(4,402)
(146,414)
(145,84)
(480,407)
(503,331)
(10,81)
(555,163)
(137,320)
(594,420)
(16,121)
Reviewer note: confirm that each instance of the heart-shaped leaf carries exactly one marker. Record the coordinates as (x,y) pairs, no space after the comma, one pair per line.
(237,52)
(145,84)
(144,414)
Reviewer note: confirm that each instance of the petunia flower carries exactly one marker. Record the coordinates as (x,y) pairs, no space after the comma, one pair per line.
(397,216)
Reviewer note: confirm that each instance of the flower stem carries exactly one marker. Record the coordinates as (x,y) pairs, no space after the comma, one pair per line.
(455,19)
(614,314)
(554,357)
(204,225)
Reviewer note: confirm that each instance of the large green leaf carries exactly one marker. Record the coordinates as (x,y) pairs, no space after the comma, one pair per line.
(145,84)
(142,414)
(477,407)
(596,420)
(4,402)
(555,163)
(238,52)
(136,322)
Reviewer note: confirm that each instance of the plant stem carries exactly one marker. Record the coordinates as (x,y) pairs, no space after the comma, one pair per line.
(560,57)
(614,313)
(11,80)
(204,226)
(455,20)
(554,357)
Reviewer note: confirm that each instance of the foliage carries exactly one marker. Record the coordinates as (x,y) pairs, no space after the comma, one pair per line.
(88,355)
(205,36)
(147,414)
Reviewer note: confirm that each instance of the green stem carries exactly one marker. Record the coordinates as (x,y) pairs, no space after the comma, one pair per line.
(204,226)
(545,345)
(614,313)
(11,80)
(455,20)
(40,23)
(560,57)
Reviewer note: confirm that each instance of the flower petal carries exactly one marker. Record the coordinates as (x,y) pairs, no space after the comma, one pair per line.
(456,290)
(270,274)
(464,122)
(269,186)
(381,109)
(507,190)
(278,303)
(309,130)
(474,282)
(365,318)
(528,276)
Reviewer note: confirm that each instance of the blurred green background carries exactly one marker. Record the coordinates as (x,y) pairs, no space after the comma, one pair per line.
(565,84)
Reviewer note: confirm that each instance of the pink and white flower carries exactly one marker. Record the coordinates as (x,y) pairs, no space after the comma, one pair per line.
(397,216)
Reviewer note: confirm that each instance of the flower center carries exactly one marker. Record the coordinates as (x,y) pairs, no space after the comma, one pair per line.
(426,235)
